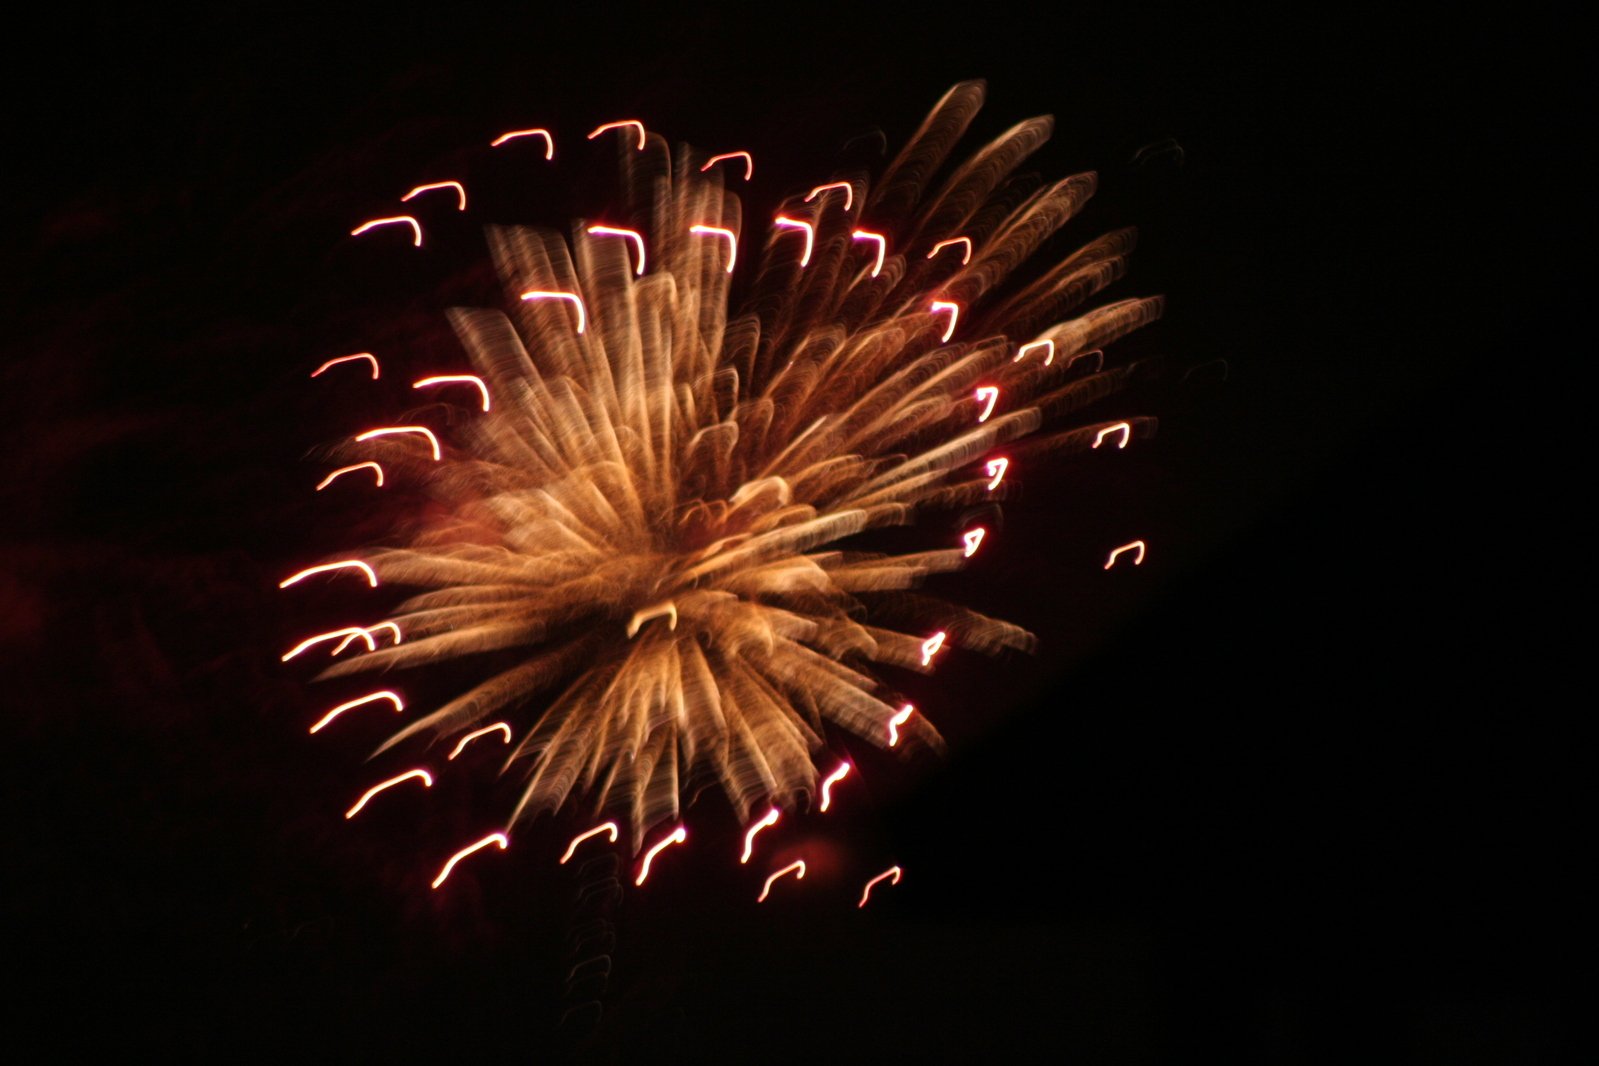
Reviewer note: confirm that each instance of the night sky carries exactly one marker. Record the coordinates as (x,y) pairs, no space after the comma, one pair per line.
(1299,789)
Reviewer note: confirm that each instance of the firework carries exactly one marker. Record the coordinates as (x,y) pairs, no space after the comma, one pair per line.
(649,512)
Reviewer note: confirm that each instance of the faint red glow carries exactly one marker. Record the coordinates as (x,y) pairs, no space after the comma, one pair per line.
(427,781)
(399,705)
(996,469)
(376,469)
(1138,560)
(349,633)
(767,819)
(620,124)
(1123,428)
(633,235)
(456,379)
(347,564)
(576,300)
(832,779)
(954,314)
(989,393)
(899,719)
(347,358)
(416,227)
(973,537)
(797,868)
(460,192)
(391,430)
(749,162)
(603,827)
(882,246)
(966,256)
(718,231)
(931,645)
(549,142)
(493,838)
(1097,354)
(849,192)
(460,747)
(892,871)
(1049,351)
(810,234)
(677,836)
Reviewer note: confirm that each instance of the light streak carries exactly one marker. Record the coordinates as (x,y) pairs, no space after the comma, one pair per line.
(618,125)
(456,379)
(376,469)
(633,235)
(749,162)
(577,301)
(603,827)
(1130,546)
(391,430)
(347,564)
(996,469)
(399,705)
(954,314)
(973,537)
(931,645)
(892,871)
(1124,428)
(832,779)
(376,222)
(460,192)
(810,234)
(549,142)
(882,246)
(493,838)
(427,782)
(768,819)
(718,231)
(1049,351)
(797,868)
(849,192)
(366,634)
(478,733)
(677,837)
(349,632)
(347,358)
(660,610)
(966,257)
(898,720)
(1097,353)
(992,394)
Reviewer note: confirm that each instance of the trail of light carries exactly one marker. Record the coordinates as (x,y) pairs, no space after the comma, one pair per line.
(767,819)
(996,469)
(1049,351)
(347,564)
(618,125)
(1098,355)
(898,720)
(931,645)
(677,837)
(1125,429)
(849,192)
(659,610)
(1137,561)
(992,394)
(549,142)
(347,469)
(810,234)
(832,779)
(797,868)
(577,301)
(460,192)
(966,257)
(427,781)
(493,838)
(376,222)
(892,871)
(973,537)
(478,733)
(456,379)
(399,705)
(633,235)
(349,632)
(345,359)
(749,162)
(603,827)
(390,430)
(954,314)
(718,231)
(366,634)
(882,246)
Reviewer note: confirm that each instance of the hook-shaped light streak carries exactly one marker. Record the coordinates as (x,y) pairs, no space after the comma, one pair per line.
(456,379)
(347,358)
(576,300)
(892,871)
(931,645)
(1124,428)
(966,256)
(954,314)
(849,192)
(990,394)
(349,633)
(460,192)
(832,779)
(767,819)
(427,782)
(496,727)
(493,838)
(718,231)
(749,162)
(365,633)
(810,234)
(996,469)
(632,235)
(549,141)
(416,227)
(346,564)
(973,537)
(882,246)
(376,469)
(1049,351)
(391,430)
(399,705)
(797,868)
(677,836)
(898,720)
(1138,560)
(619,125)
(603,827)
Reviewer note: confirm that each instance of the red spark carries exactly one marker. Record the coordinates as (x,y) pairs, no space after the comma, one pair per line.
(399,705)
(478,733)
(619,125)
(768,819)
(996,469)
(797,868)
(677,836)
(427,781)
(454,379)
(1138,560)
(1125,429)
(931,645)
(376,469)
(898,720)
(577,301)
(973,538)
(966,256)
(832,779)
(633,235)
(493,838)
(549,142)
(810,234)
(882,246)
(389,430)
(718,231)
(892,871)
(460,192)
(347,358)
(991,394)
(603,827)
(749,162)
(849,192)
(346,564)
(954,314)
(413,223)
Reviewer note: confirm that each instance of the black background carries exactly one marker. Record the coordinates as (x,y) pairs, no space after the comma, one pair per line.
(1300,789)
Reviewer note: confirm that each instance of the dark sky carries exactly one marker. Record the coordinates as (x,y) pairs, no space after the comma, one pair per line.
(1297,790)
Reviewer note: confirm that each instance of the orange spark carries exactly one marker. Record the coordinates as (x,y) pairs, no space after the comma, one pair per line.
(677,836)
(603,827)
(549,142)
(892,871)
(399,705)
(633,235)
(460,192)
(345,359)
(1137,560)
(1125,429)
(954,314)
(577,301)
(931,645)
(1049,351)
(453,379)
(749,162)
(882,246)
(849,192)
(378,470)
(996,469)
(810,234)
(493,838)
(832,779)
(898,720)
(389,430)
(768,819)
(349,632)
(619,125)
(478,733)
(347,564)
(797,868)
(991,393)
(718,231)
(427,781)
(966,257)
(414,224)
(973,537)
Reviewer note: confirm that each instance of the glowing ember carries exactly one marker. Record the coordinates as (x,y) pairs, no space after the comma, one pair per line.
(456,379)
(460,192)
(573,298)
(899,719)
(632,235)
(476,733)
(767,820)
(988,396)
(718,231)
(341,471)
(677,836)
(892,871)
(349,632)
(995,468)
(388,431)
(347,359)
(603,827)
(832,779)
(1120,427)
(1138,560)
(931,645)
(416,227)
(549,142)
(810,234)
(623,124)
(749,162)
(493,838)
(966,256)
(392,697)
(849,192)
(425,777)
(882,247)
(797,868)
(954,314)
(346,564)
(972,537)
(1049,351)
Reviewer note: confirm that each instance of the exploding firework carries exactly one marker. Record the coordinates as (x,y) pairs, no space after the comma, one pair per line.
(646,502)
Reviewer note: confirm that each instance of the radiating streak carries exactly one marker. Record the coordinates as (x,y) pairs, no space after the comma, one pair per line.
(1049,351)
(416,227)
(376,469)
(718,231)
(991,394)
(493,838)
(677,836)
(390,430)
(954,314)
(892,871)
(749,162)
(456,379)
(365,632)
(427,782)
(797,868)
(767,819)
(618,125)
(549,142)
(931,645)
(1130,546)
(633,235)
(399,705)
(576,300)
(497,726)
(1124,428)
(347,358)
(460,192)
(898,720)
(996,469)
(973,537)
(660,610)
(849,192)
(350,632)
(810,234)
(346,564)
(966,256)
(832,779)
(882,246)
(603,827)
